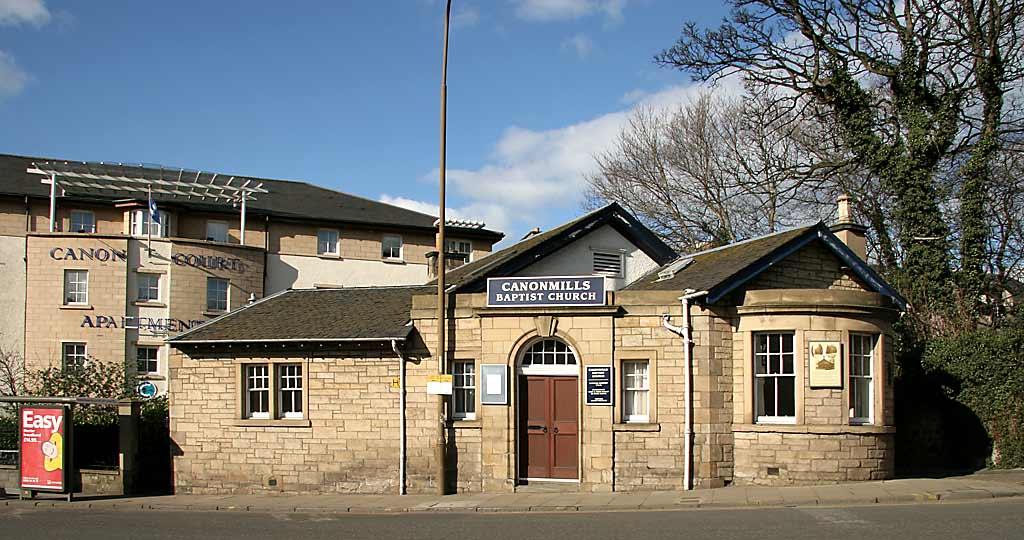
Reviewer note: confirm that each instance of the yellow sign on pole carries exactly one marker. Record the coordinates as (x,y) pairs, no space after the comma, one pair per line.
(440,384)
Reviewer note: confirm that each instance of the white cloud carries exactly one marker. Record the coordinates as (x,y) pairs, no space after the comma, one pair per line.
(465,16)
(579,44)
(12,78)
(495,216)
(532,175)
(14,12)
(633,96)
(561,10)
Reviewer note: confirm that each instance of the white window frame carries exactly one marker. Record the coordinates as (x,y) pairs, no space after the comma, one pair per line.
(76,292)
(464,247)
(80,214)
(464,383)
(140,220)
(775,377)
(863,353)
(155,360)
(289,391)
(539,350)
(595,253)
(333,248)
(257,380)
(387,253)
(77,359)
(144,291)
(636,384)
(218,224)
(227,294)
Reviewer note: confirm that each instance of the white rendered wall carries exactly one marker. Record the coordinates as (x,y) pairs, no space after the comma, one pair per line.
(298,271)
(577,259)
(12,294)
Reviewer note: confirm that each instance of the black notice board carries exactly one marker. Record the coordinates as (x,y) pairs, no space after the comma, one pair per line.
(599,385)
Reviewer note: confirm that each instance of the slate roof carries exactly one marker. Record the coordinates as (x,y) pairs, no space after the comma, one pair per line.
(721,270)
(287,199)
(351,314)
(471,277)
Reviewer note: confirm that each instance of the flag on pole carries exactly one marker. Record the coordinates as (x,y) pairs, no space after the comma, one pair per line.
(153,213)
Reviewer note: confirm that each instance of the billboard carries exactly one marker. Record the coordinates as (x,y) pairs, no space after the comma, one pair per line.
(43,433)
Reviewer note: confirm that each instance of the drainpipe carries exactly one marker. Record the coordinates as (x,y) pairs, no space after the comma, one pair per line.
(685,331)
(401,422)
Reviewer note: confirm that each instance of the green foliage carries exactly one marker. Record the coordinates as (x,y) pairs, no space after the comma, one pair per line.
(984,370)
(93,380)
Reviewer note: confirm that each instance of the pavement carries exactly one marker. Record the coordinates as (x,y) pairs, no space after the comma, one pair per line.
(978,486)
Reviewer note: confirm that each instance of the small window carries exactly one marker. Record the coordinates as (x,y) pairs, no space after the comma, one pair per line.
(862,360)
(257,391)
(141,224)
(774,378)
(74,356)
(327,242)
(216,231)
(464,390)
(76,287)
(549,352)
(459,247)
(149,287)
(607,263)
(216,294)
(83,221)
(289,398)
(146,359)
(391,247)
(636,391)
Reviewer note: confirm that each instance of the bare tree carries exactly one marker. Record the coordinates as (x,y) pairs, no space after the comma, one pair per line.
(12,378)
(715,170)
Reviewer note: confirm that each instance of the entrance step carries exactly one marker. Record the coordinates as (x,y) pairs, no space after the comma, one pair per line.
(539,486)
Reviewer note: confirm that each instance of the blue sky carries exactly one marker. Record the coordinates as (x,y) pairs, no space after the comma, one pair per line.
(345,94)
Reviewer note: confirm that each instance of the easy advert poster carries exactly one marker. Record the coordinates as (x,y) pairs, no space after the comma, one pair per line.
(43,434)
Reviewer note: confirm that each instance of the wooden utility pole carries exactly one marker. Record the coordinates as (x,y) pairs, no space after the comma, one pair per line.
(440,454)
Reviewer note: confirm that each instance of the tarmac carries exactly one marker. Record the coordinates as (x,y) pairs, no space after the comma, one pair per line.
(989,484)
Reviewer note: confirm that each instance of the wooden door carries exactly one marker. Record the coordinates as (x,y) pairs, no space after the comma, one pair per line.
(549,442)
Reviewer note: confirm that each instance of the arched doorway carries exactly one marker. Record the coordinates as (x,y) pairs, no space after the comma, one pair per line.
(548,411)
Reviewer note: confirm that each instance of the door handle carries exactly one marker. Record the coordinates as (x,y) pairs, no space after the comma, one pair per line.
(544,428)
(556,430)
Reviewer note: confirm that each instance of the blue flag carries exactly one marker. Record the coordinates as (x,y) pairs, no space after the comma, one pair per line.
(153,214)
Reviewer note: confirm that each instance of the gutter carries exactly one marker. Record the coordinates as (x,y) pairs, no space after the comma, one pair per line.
(401,422)
(686,332)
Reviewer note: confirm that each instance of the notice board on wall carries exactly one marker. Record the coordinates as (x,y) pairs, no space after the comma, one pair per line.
(599,385)
(494,384)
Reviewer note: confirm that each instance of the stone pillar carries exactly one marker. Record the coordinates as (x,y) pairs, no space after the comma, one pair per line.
(128,430)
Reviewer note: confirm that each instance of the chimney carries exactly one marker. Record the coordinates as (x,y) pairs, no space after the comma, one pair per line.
(849,231)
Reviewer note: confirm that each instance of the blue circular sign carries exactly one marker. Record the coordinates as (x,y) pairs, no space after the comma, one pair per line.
(147,389)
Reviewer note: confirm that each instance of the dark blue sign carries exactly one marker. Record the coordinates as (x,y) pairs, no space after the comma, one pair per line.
(599,385)
(546,291)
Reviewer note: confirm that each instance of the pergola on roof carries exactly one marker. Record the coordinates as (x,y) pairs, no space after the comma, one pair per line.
(102,178)
(91,177)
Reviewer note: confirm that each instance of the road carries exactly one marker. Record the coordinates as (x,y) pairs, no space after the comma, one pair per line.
(989,520)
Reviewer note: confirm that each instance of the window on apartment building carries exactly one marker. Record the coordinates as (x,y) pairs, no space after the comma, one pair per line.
(774,377)
(149,287)
(636,391)
(327,242)
(83,221)
(289,394)
(74,356)
(607,263)
(862,358)
(257,391)
(217,231)
(146,359)
(142,225)
(464,390)
(76,287)
(216,294)
(391,247)
(460,247)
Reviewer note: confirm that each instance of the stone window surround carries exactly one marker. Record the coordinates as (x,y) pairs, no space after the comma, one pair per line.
(651,355)
(460,418)
(799,325)
(272,364)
